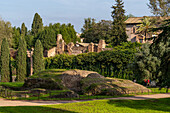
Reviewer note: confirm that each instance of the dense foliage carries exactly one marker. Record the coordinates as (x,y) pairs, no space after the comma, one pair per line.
(47,37)
(46,34)
(21,60)
(93,32)
(5,31)
(153,61)
(161,49)
(108,63)
(159,7)
(38,63)
(5,69)
(145,65)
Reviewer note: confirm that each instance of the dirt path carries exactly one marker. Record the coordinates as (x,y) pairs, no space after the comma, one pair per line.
(4,102)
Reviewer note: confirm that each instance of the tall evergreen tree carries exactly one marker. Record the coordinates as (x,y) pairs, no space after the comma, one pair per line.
(37,24)
(119,29)
(5,69)
(23,30)
(21,60)
(15,37)
(38,63)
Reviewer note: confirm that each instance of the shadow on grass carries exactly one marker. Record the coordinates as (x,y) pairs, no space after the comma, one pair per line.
(151,104)
(32,109)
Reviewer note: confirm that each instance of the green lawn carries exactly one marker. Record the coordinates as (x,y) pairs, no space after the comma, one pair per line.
(12,84)
(98,106)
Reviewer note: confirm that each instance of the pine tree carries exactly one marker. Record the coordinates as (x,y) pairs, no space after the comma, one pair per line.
(37,24)
(5,69)
(21,60)
(119,31)
(38,63)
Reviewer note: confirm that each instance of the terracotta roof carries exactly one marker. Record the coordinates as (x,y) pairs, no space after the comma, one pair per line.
(138,20)
(134,20)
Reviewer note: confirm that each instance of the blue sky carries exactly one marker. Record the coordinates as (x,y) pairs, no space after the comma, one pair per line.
(65,11)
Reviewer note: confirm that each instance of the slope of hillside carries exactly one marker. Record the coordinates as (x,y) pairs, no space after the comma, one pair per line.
(81,81)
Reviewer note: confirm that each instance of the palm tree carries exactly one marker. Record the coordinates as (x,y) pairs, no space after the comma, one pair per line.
(145,26)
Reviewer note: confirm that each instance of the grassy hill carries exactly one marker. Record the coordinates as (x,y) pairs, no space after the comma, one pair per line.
(82,81)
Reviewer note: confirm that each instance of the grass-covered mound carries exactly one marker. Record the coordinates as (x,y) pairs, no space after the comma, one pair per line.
(48,79)
(12,85)
(80,81)
(111,86)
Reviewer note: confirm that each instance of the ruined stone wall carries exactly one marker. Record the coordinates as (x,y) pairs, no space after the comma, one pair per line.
(91,47)
(51,52)
(101,45)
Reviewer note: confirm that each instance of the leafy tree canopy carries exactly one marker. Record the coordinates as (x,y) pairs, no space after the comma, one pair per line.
(93,32)
(160,7)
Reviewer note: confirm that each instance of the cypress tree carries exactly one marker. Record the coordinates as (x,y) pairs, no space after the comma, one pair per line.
(37,24)
(119,29)
(38,63)
(23,30)
(21,60)
(5,70)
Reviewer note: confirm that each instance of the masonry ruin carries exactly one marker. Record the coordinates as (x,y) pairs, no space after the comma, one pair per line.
(74,49)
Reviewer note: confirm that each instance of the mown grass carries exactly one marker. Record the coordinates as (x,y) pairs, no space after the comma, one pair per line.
(12,84)
(82,97)
(157,90)
(48,73)
(98,106)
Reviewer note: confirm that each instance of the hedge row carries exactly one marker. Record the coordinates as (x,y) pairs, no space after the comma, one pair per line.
(108,63)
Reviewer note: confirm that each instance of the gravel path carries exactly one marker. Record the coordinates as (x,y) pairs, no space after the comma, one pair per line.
(4,102)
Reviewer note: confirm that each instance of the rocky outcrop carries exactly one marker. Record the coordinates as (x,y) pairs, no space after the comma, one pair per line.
(71,79)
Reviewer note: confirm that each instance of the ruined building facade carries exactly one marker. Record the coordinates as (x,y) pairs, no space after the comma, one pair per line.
(74,49)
